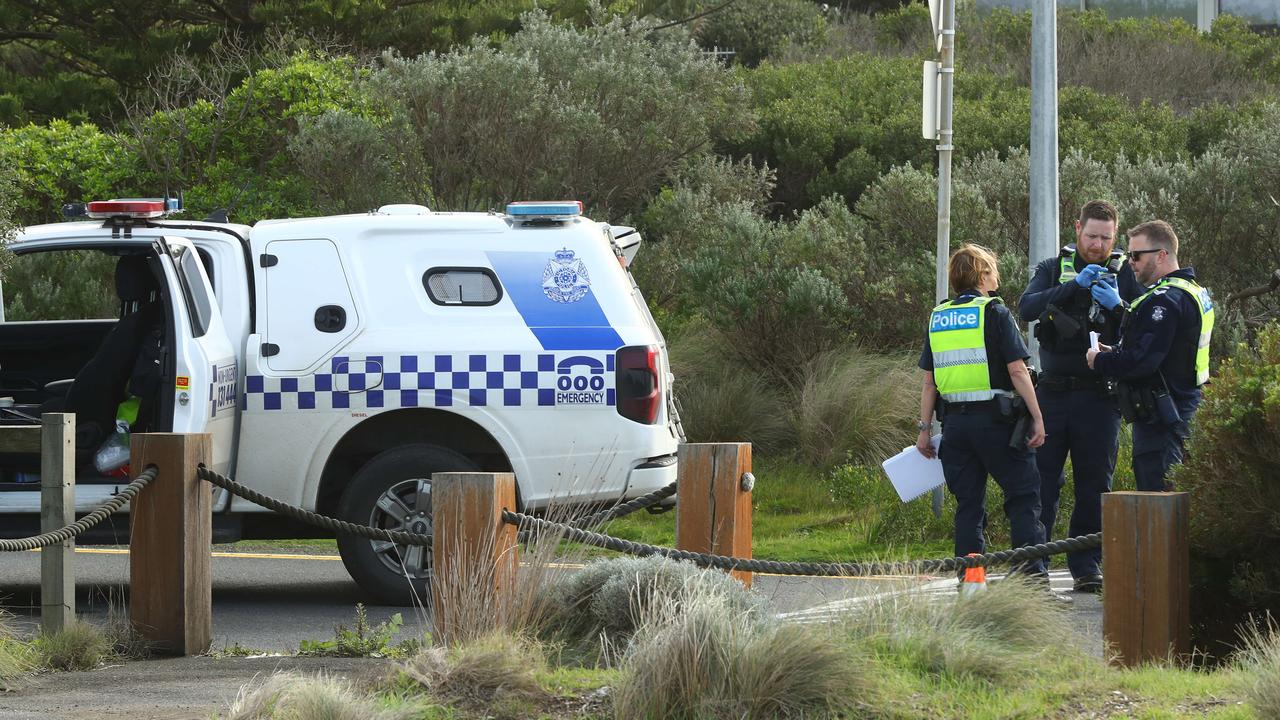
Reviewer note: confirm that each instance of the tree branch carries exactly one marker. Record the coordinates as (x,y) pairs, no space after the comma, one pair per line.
(691,18)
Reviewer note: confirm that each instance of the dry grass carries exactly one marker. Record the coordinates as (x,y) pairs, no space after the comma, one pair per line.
(696,656)
(466,610)
(15,656)
(853,405)
(602,606)
(1258,663)
(288,696)
(78,646)
(498,668)
(992,636)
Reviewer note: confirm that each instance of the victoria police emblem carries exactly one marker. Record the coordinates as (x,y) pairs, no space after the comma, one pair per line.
(565,278)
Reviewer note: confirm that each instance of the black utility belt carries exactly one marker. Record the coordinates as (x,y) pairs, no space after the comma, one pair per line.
(1059,383)
(971,408)
(1003,406)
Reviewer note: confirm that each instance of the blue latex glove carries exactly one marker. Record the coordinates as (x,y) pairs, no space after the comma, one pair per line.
(1106,294)
(1088,275)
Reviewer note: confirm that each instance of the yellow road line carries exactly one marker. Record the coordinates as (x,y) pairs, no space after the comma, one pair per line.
(565,566)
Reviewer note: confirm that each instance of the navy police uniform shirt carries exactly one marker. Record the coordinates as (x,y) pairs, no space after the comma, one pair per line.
(1001,335)
(1045,288)
(1161,334)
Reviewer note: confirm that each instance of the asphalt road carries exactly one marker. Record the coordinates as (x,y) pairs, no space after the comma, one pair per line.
(272,602)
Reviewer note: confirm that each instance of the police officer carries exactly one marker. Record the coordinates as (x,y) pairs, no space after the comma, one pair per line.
(975,360)
(1163,356)
(1070,296)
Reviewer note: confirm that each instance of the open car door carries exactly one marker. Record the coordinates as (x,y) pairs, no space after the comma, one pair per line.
(205,375)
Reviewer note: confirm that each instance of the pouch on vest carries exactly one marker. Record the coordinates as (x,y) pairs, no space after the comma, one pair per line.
(1137,402)
(1065,327)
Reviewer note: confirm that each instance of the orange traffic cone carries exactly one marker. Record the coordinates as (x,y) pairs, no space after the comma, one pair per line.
(975,579)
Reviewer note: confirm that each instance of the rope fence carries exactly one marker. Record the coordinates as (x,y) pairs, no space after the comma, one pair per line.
(577,531)
(77,528)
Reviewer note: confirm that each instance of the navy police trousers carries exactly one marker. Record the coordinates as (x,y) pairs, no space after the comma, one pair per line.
(973,446)
(1156,448)
(1085,423)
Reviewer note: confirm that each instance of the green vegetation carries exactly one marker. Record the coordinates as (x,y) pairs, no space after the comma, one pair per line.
(1005,652)
(1230,475)
(78,646)
(15,656)
(785,196)
(361,639)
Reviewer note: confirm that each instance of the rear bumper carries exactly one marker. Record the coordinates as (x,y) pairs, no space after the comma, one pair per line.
(653,474)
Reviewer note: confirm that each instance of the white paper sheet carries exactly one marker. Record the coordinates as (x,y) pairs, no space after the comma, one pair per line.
(912,474)
(1093,340)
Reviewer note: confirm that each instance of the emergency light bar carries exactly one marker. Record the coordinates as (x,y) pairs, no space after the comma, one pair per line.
(545,210)
(139,208)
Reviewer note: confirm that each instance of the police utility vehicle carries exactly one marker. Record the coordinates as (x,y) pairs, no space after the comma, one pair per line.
(338,362)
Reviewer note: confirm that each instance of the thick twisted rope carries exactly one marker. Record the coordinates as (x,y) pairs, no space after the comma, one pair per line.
(722,562)
(64,534)
(626,508)
(342,526)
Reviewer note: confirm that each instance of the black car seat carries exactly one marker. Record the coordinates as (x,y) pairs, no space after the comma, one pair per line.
(103,383)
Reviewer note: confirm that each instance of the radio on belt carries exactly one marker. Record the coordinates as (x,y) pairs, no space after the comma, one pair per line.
(337,363)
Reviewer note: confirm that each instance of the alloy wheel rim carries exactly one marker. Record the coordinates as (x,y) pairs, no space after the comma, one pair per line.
(405,507)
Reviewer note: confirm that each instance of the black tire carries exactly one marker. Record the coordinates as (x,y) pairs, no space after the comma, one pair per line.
(394,574)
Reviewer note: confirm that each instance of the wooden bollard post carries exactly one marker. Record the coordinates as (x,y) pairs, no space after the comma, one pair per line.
(713,500)
(57,510)
(1146,612)
(473,552)
(170,591)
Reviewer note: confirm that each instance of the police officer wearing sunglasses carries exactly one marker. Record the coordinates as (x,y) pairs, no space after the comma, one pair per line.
(1163,356)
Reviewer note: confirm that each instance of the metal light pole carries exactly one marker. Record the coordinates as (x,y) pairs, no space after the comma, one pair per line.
(946,84)
(944,21)
(1044,140)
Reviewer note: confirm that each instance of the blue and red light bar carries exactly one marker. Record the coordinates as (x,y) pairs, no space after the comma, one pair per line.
(140,208)
(545,209)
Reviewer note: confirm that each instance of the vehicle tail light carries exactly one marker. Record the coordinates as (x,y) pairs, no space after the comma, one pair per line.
(639,391)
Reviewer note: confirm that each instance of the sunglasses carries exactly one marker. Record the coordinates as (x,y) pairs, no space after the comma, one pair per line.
(1137,254)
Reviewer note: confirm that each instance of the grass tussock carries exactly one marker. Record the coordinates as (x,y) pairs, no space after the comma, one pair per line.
(288,696)
(78,646)
(15,656)
(499,668)
(844,404)
(602,606)
(1258,664)
(851,405)
(992,636)
(699,657)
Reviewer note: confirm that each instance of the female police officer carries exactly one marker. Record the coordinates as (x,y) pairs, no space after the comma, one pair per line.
(974,358)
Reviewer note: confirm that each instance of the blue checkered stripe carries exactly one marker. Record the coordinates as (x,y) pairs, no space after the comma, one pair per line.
(436,381)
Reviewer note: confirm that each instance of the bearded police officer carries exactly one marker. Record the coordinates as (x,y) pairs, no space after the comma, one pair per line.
(1163,356)
(1078,292)
(974,359)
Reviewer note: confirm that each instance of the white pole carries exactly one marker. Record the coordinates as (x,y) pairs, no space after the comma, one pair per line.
(1044,139)
(1206,13)
(947,66)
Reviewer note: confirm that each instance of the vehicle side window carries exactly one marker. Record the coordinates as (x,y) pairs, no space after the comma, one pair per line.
(199,304)
(462,286)
(60,285)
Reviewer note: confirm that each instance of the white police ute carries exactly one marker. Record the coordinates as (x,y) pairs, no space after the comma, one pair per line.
(338,362)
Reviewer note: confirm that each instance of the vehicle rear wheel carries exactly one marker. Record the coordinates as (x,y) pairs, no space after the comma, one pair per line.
(393,492)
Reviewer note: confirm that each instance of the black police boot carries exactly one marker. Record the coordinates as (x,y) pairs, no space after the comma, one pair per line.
(1088,584)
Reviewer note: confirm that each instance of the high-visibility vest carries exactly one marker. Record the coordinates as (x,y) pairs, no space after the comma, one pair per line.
(957,340)
(1205,303)
(1067,263)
